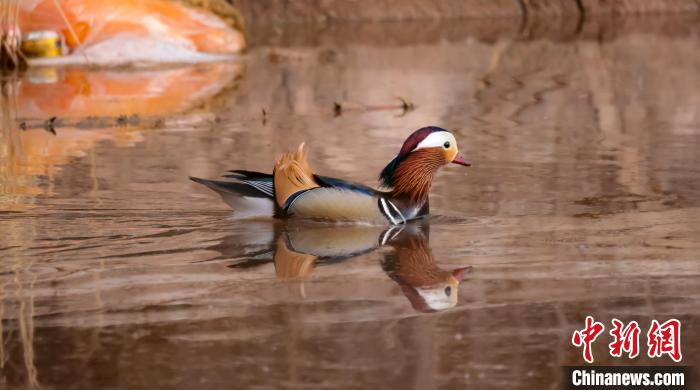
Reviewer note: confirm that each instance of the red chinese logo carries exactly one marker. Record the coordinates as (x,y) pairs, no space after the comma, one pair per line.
(665,339)
(662,339)
(625,339)
(587,336)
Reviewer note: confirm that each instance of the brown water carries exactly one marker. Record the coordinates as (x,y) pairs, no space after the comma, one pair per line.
(584,199)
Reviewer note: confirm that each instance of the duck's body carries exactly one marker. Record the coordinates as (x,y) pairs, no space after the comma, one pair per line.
(332,199)
(293,190)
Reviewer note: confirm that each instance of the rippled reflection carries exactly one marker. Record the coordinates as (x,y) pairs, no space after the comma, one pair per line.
(54,115)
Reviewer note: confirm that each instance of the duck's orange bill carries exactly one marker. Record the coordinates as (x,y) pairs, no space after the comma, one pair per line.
(459,159)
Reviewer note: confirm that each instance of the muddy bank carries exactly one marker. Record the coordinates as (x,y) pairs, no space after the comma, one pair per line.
(389,34)
(384,10)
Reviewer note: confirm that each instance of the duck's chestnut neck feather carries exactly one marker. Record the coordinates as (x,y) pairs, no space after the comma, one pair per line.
(413,176)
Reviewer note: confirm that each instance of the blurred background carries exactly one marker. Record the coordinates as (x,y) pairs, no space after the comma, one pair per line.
(580,117)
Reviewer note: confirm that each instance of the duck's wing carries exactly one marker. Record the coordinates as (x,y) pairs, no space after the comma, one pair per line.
(264,182)
(292,176)
(326,181)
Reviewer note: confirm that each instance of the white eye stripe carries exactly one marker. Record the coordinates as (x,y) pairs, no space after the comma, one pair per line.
(437,139)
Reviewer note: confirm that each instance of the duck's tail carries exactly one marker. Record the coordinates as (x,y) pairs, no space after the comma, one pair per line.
(246,199)
(292,174)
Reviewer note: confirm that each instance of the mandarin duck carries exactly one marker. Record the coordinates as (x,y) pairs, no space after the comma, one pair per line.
(294,190)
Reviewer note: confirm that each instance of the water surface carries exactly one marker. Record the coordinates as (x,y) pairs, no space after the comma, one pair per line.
(584,198)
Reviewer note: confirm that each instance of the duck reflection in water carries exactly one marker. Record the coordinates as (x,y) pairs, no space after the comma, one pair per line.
(297,248)
(411,264)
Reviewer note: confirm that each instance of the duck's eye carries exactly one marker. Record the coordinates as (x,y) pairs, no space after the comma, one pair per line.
(448,290)
(446,145)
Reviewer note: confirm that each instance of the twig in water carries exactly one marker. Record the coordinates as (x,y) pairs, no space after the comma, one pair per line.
(49,125)
(337,109)
(404,105)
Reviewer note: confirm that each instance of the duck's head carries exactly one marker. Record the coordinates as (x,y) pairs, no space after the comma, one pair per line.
(435,140)
(421,155)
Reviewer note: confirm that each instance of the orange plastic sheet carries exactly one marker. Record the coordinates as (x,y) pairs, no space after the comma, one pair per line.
(118,31)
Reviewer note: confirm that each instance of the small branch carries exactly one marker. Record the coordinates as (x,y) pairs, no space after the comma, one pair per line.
(405,106)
